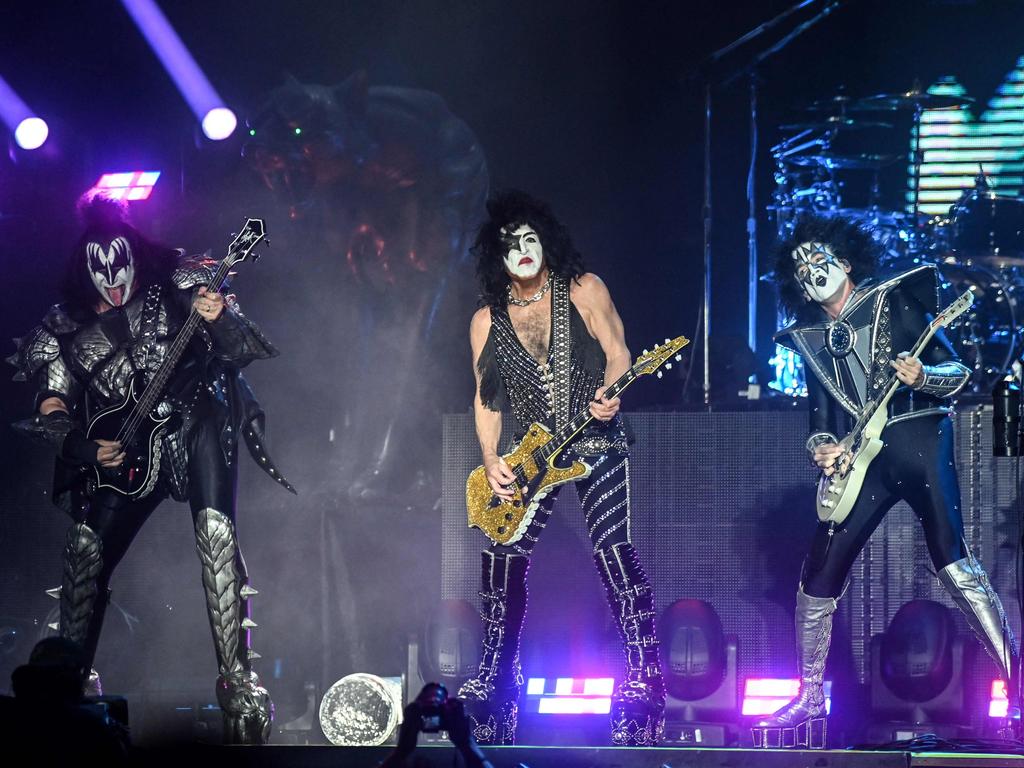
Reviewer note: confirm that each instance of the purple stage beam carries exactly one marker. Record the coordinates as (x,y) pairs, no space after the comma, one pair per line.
(30,130)
(217,120)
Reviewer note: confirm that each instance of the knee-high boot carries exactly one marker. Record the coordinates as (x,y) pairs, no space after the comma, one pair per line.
(245,703)
(83,600)
(492,697)
(638,707)
(802,723)
(968,585)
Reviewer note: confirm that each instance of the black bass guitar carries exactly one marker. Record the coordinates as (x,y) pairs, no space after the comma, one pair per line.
(136,422)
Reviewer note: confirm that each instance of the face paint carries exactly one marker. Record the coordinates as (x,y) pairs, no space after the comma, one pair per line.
(818,271)
(525,254)
(112,270)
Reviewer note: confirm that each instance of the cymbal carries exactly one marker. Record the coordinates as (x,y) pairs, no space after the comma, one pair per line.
(836,103)
(845,162)
(911,99)
(835,123)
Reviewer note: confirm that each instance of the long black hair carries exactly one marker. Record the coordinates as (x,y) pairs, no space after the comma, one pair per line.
(104,219)
(848,240)
(509,210)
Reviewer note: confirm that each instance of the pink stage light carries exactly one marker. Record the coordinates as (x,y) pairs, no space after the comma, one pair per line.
(575,705)
(999,702)
(572,695)
(765,695)
(128,185)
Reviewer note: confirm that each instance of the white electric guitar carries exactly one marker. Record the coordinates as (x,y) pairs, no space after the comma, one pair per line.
(838,492)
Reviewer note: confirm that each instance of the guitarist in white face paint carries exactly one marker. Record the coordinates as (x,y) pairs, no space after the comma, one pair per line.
(545,344)
(126,302)
(852,328)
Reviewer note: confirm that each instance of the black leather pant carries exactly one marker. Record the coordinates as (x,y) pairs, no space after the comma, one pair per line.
(117,520)
(916,466)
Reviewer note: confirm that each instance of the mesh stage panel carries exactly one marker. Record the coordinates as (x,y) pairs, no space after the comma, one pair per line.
(722,508)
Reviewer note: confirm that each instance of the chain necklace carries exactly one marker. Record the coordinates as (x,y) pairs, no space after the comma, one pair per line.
(536,297)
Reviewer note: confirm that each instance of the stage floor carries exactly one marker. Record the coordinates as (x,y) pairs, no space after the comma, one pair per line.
(575,757)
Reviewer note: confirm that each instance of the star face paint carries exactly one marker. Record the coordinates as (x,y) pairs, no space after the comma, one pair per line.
(112,269)
(819,271)
(525,254)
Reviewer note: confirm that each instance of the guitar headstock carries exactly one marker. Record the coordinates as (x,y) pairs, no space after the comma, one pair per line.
(252,234)
(651,361)
(954,310)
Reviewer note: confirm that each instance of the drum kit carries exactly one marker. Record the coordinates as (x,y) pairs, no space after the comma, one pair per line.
(978,245)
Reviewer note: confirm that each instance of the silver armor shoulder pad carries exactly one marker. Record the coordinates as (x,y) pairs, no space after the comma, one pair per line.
(194,271)
(37,349)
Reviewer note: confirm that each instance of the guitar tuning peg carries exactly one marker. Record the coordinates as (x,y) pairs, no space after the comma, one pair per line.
(668,366)
(678,358)
(646,352)
(667,340)
(255,257)
(659,374)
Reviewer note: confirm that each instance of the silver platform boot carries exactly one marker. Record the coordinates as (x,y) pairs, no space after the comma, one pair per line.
(968,585)
(244,702)
(638,706)
(492,697)
(802,724)
(82,602)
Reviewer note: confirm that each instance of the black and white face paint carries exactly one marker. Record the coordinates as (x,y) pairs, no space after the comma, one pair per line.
(525,254)
(112,269)
(819,271)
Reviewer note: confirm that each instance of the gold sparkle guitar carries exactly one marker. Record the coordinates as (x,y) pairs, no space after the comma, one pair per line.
(838,492)
(533,461)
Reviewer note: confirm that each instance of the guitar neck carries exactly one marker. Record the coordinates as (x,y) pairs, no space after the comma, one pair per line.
(584,417)
(893,384)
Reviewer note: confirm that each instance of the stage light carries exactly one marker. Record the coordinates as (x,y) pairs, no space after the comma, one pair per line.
(127,185)
(999,702)
(30,131)
(571,695)
(449,651)
(219,123)
(766,695)
(217,120)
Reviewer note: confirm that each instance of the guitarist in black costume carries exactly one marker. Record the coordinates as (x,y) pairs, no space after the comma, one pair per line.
(545,343)
(125,298)
(852,328)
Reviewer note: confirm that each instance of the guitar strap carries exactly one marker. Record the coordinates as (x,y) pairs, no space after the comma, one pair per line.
(149,323)
(561,352)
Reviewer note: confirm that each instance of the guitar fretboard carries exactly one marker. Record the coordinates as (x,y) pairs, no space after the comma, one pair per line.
(583,418)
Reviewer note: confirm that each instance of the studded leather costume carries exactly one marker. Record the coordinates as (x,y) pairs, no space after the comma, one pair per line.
(848,361)
(552,392)
(86,359)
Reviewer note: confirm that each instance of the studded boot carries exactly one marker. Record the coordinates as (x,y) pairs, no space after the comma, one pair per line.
(492,697)
(802,723)
(244,702)
(638,707)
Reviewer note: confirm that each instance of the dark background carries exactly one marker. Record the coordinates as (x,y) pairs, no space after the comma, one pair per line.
(594,107)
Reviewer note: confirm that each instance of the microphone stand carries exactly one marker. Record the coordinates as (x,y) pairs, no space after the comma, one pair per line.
(706,210)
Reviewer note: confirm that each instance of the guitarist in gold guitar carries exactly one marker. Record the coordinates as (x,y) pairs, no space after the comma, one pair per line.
(125,299)
(545,344)
(853,329)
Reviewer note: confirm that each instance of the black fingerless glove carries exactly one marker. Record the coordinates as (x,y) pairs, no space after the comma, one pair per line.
(79,449)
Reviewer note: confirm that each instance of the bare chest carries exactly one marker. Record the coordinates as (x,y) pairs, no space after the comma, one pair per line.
(532,325)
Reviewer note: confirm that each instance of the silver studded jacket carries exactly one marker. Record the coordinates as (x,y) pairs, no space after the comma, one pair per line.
(848,359)
(87,361)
